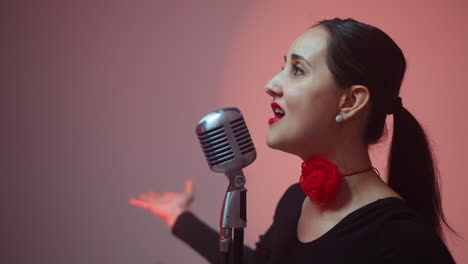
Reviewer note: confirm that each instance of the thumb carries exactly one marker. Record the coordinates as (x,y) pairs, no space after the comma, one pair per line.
(188,188)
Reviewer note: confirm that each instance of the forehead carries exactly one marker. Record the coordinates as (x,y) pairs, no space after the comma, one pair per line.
(312,44)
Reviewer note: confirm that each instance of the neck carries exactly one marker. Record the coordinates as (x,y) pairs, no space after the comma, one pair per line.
(353,190)
(352,158)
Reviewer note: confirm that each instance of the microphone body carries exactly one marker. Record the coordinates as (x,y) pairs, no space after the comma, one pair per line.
(228,148)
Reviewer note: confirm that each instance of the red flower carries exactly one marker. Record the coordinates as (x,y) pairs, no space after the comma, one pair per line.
(320,180)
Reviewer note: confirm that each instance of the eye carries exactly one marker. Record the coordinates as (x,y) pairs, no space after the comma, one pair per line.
(297,70)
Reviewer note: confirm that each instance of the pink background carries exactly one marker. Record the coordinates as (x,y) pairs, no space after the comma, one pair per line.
(100,100)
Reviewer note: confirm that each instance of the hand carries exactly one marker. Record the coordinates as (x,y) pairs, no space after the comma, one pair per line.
(167,206)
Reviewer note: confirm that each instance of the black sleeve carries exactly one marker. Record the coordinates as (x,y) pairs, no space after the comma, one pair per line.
(198,236)
(204,239)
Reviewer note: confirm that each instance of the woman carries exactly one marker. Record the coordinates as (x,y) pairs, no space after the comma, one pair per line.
(340,80)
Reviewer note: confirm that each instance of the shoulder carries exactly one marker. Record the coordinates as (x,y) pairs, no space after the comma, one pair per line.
(293,193)
(405,237)
(290,202)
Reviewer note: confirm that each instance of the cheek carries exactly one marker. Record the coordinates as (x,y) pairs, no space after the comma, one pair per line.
(302,109)
(293,100)
(306,101)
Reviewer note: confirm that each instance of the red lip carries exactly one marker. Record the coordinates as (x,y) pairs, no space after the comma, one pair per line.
(276,118)
(276,105)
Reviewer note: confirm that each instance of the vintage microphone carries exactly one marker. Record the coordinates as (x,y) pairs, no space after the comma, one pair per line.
(228,148)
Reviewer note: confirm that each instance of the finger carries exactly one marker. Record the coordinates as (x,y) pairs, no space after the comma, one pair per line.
(168,195)
(144,197)
(153,194)
(138,203)
(188,188)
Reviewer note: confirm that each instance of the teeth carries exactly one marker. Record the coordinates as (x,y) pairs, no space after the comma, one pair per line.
(278,111)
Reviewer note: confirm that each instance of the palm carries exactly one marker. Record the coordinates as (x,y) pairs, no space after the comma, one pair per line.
(168,205)
(166,202)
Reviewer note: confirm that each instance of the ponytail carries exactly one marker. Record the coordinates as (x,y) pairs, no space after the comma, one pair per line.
(411,169)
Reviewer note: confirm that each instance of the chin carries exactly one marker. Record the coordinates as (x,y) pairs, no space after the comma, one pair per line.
(275,144)
(286,147)
(272,142)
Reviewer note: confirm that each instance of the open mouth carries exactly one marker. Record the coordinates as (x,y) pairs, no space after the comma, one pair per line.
(279,113)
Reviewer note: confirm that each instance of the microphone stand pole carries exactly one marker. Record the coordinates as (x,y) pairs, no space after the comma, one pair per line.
(233,216)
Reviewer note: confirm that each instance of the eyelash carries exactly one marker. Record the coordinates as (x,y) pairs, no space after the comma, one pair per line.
(296,69)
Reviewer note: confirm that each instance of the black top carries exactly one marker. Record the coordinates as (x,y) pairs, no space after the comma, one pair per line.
(384,231)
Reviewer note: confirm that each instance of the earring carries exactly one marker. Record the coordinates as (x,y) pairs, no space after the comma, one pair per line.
(339,119)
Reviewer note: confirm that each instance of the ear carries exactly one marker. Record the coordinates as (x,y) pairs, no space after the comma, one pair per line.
(354,99)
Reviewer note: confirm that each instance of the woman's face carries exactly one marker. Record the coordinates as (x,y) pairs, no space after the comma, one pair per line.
(306,91)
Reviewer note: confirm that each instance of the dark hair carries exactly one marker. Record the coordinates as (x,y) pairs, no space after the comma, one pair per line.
(358,53)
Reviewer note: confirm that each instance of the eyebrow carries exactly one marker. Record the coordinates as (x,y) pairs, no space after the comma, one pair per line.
(295,56)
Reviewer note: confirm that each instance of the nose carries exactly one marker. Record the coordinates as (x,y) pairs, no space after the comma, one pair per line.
(273,88)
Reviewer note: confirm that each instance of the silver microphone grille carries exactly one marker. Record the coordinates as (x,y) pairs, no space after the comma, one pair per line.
(225,140)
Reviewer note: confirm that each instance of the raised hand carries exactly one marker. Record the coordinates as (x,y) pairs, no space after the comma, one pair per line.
(167,206)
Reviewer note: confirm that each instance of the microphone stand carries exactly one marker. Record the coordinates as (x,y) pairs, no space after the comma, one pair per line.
(233,216)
